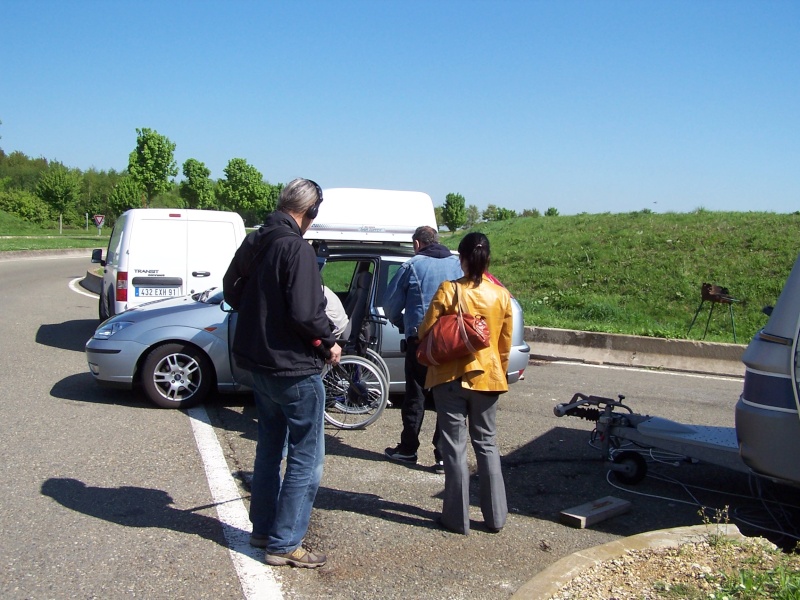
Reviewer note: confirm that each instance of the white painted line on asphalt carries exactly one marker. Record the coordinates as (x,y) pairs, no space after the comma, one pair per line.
(257,579)
(645,370)
(76,287)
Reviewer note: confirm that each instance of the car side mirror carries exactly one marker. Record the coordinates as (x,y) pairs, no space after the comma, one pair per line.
(97,257)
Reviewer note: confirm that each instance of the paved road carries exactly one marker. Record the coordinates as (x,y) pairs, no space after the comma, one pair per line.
(99,490)
(106,496)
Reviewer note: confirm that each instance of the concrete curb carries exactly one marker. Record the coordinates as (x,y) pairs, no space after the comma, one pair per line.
(636,351)
(548,581)
(12,254)
(92,283)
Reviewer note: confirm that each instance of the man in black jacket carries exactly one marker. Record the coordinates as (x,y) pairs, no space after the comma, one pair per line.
(281,335)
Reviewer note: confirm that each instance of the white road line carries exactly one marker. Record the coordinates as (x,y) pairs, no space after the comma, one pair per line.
(76,287)
(645,370)
(257,579)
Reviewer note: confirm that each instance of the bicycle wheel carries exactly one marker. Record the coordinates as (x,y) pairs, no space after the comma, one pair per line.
(373,356)
(356,392)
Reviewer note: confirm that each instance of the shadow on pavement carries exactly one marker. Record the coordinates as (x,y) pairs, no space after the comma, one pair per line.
(82,388)
(132,507)
(69,335)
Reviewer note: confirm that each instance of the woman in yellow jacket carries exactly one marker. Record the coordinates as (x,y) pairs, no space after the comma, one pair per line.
(466,391)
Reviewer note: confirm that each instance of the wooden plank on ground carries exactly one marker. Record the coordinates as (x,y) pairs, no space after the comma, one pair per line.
(593,512)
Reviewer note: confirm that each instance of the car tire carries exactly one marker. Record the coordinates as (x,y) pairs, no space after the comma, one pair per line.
(177,375)
(103,307)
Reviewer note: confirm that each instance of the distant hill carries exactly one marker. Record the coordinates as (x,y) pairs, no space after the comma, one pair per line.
(641,273)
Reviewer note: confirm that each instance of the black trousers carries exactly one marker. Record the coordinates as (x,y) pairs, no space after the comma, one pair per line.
(413,410)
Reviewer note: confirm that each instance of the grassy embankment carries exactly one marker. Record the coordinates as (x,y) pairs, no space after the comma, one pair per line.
(640,273)
(635,273)
(16,234)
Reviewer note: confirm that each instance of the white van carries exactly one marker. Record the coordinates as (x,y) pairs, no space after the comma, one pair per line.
(163,252)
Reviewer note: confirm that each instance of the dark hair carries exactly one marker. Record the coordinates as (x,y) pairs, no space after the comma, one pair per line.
(425,235)
(474,253)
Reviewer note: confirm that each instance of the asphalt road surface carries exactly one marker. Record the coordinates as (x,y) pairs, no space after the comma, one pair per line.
(106,496)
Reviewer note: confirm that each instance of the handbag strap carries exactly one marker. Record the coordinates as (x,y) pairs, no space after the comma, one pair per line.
(462,330)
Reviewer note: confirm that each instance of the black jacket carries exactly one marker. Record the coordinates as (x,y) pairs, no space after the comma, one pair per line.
(282,309)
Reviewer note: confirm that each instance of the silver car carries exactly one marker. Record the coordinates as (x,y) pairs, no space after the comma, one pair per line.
(178,349)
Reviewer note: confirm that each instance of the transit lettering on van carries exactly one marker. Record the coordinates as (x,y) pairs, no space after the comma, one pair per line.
(191,248)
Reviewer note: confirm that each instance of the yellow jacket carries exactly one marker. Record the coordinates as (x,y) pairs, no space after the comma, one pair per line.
(486,370)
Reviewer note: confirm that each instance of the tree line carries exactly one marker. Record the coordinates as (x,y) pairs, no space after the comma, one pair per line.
(42,192)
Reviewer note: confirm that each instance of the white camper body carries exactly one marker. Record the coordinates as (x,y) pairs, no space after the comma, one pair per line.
(365,215)
(163,252)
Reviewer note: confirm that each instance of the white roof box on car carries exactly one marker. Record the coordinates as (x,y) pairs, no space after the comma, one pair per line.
(371,215)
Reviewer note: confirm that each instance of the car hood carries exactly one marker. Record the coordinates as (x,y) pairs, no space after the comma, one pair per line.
(174,308)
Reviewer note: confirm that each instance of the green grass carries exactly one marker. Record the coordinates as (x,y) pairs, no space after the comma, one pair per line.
(16,234)
(640,273)
(636,273)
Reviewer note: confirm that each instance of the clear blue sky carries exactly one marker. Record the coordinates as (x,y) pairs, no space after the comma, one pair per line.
(588,106)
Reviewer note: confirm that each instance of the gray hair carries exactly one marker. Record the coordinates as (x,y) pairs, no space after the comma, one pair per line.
(298,196)
(425,235)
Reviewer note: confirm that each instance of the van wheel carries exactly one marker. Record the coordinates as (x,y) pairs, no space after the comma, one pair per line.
(177,375)
(102,304)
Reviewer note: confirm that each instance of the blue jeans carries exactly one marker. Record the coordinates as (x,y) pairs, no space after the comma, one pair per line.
(291,411)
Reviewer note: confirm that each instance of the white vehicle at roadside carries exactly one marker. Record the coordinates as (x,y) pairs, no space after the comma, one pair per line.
(163,253)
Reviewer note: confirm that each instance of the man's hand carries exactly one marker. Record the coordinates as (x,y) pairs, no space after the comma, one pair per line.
(336,355)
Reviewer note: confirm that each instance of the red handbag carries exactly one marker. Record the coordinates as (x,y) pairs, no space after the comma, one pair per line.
(453,336)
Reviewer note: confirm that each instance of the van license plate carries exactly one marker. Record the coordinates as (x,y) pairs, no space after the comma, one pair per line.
(156,292)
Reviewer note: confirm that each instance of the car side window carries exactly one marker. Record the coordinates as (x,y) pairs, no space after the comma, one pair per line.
(114,244)
(388,271)
(338,275)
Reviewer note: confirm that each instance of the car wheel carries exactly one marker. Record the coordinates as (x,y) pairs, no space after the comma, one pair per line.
(177,375)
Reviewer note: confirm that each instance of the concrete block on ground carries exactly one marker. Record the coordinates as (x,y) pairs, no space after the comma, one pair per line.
(593,512)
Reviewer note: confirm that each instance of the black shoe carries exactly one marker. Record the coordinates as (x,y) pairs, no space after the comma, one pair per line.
(396,454)
(439,467)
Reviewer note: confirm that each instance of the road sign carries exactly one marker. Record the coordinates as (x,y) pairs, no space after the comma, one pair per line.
(99,220)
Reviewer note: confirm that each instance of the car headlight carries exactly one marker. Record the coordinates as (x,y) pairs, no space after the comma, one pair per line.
(108,329)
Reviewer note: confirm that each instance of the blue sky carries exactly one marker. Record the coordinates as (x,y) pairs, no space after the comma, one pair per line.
(585,106)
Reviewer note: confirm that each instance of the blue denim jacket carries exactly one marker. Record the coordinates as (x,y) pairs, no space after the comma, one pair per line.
(414,285)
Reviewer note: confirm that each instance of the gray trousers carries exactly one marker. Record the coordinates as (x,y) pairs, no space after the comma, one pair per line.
(460,410)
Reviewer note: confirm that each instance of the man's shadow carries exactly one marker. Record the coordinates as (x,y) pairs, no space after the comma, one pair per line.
(134,507)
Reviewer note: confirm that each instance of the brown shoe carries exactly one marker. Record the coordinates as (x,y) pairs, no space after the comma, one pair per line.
(299,557)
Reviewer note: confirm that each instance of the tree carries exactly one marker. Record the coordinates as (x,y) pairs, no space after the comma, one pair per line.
(244,189)
(60,189)
(551,212)
(152,163)
(437,211)
(454,212)
(490,213)
(127,194)
(25,205)
(197,190)
(495,213)
(503,214)
(22,171)
(473,216)
(96,189)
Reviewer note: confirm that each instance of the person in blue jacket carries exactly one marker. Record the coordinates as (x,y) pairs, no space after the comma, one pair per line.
(407,298)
